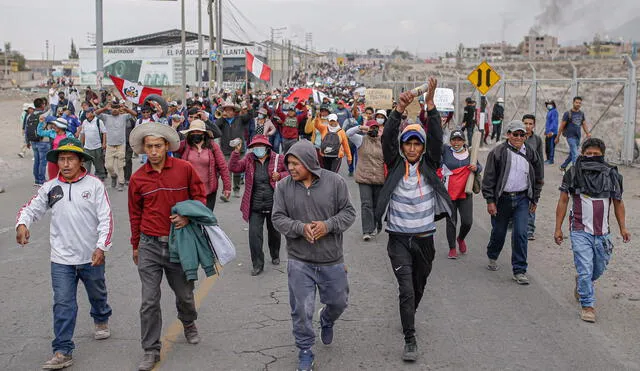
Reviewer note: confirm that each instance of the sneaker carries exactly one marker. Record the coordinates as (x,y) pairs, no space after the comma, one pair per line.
(149,360)
(305,360)
(120,187)
(224,199)
(275,261)
(191,334)
(493,265)
(575,290)
(521,279)
(326,331)
(410,352)
(236,194)
(366,237)
(256,271)
(114,181)
(531,237)
(102,331)
(462,246)
(453,254)
(59,361)
(21,154)
(351,173)
(563,169)
(588,314)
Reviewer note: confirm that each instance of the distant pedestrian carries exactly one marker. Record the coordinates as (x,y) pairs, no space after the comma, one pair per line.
(39,145)
(414,198)
(81,229)
(262,169)
(27,110)
(334,144)
(456,169)
(534,142)
(56,131)
(154,189)
(93,136)
(469,119)
(551,131)
(511,185)
(573,122)
(313,229)
(115,117)
(497,117)
(593,185)
(232,127)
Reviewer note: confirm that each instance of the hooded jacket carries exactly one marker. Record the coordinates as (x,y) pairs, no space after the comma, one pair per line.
(327,200)
(430,161)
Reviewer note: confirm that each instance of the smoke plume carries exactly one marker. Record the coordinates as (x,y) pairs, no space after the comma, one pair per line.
(552,15)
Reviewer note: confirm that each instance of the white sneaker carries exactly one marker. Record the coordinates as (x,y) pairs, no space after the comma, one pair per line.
(366,237)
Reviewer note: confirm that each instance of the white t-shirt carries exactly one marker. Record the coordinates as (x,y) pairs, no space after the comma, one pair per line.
(92,137)
(53,96)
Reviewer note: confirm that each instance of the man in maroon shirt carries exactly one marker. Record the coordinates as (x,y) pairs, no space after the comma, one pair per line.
(153,190)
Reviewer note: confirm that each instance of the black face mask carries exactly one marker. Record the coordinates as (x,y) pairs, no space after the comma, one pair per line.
(373,132)
(404,117)
(593,159)
(196,138)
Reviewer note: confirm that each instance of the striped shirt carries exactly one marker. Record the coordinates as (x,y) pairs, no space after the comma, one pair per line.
(590,215)
(411,208)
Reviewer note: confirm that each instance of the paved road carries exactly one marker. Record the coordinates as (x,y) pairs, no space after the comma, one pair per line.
(470,318)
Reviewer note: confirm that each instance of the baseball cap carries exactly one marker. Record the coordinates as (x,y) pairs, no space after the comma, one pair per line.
(457,134)
(411,134)
(332,117)
(516,125)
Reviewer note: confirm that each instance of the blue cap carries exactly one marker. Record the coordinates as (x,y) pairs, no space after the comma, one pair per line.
(50,119)
(411,134)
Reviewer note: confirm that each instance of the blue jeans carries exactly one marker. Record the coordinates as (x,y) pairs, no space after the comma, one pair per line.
(531,225)
(40,150)
(276,140)
(591,255)
(515,208)
(354,155)
(573,152)
(64,279)
(333,286)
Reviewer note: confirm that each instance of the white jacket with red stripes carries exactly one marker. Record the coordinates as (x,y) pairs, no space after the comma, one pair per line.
(81,219)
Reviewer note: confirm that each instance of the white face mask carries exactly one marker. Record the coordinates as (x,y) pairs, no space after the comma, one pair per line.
(260,116)
(380,121)
(549,107)
(333,129)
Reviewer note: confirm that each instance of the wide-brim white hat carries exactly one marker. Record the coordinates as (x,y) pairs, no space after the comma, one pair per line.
(136,138)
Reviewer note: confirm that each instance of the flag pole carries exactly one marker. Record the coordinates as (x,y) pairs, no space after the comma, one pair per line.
(246,72)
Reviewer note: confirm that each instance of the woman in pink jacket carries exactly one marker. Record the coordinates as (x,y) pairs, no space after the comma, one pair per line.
(206,157)
(262,168)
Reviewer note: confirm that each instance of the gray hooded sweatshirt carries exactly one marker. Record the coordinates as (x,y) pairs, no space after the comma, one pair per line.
(327,200)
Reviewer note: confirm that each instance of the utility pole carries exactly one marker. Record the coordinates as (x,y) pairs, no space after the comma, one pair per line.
(99,49)
(211,48)
(199,56)
(276,33)
(184,56)
(289,61)
(219,60)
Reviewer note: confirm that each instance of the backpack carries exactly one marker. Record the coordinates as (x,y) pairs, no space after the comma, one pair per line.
(330,145)
(31,129)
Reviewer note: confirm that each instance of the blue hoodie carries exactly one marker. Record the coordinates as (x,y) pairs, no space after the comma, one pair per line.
(552,122)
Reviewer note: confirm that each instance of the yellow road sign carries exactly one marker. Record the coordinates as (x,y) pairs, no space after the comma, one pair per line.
(483,77)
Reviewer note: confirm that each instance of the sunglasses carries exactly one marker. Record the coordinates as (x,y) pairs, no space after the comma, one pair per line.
(520,135)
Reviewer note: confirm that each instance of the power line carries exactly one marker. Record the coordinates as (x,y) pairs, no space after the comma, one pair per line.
(233,23)
(262,33)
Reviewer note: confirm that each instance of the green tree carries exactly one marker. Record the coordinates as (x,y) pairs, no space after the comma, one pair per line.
(73,54)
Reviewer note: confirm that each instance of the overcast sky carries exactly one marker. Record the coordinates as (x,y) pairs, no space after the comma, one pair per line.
(423,26)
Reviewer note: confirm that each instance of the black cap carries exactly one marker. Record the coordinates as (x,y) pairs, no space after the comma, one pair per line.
(456,134)
(193,111)
(469,100)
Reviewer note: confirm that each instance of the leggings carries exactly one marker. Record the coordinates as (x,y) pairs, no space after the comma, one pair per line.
(464,207)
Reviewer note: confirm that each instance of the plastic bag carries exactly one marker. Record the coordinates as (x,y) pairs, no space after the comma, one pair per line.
(220,244)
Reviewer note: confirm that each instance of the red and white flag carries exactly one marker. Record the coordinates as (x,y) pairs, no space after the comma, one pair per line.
(132,91)
(257,67)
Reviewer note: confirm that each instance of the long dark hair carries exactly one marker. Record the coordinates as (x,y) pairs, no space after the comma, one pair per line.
(206,143)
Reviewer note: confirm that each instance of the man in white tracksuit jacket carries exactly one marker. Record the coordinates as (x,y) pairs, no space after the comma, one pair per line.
(81,230)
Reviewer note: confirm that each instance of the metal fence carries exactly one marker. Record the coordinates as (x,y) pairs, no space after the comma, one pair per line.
(610,104)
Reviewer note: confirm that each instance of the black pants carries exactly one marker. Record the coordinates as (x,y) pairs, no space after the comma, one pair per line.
(332,163)
(235,178)
(470,135)
(411,261)
(550,147)
(497,131)
(211,200)
(368,200)
(464,207)
(128,166)
(256,226)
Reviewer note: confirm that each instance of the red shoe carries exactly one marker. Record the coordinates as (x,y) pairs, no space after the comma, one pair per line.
(462,246)
(453,254)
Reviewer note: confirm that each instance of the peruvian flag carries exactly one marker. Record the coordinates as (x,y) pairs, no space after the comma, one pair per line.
(257,68)
(133,92)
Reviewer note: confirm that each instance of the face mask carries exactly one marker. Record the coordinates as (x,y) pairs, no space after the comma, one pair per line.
(196,138)
(260,116)
(334,129)
(380,121)
(593,158)
(461,149)
(259,152)
(373,132)
(404,117)
(549,107)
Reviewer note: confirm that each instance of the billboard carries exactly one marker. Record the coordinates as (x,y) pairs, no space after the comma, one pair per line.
(150,65)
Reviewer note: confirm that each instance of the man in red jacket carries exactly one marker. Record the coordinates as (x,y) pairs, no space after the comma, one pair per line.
(153,190)
(290,124)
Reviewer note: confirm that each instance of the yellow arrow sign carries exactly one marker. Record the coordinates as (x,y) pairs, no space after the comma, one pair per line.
(483,77)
